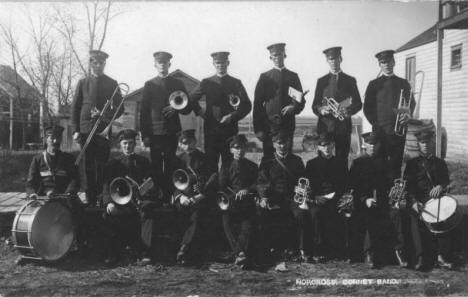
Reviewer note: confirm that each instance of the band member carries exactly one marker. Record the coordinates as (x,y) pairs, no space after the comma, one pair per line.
(427,179)
(227,103)
(273,108)
(130,223)
(276,181)
(192,191)
(343,89)
(370,180)
(91,95)
(382,105)
(238,180)
(159,121)
(327,174)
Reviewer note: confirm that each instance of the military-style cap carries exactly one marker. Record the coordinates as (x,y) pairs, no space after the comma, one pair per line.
(53,130)
(324,139)
(424,135)
(370,138)
(333,52)
(281,136)
(276,48)
(186,135)
(98,55)
(237,140)
(127,134)
(220,56)
(385,55)
(162,56)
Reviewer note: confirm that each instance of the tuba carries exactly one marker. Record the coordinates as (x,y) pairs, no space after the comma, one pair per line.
(302,193)
(184,180)
(125,189)
(403,107)
(234,101)
(178,100)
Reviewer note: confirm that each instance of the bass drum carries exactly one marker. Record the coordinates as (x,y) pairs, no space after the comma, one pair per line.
(43,229)
(449,215)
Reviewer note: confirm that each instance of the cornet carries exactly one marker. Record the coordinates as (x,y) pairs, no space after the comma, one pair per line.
(302,193)
(403,108)
(338,109)
(346,204)
(125,189)
(398,194)
(178,100)
(234,101)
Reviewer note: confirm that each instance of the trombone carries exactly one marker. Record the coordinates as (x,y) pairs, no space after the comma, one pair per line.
(105,133)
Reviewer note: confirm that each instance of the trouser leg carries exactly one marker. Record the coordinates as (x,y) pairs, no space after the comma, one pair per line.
(342,146)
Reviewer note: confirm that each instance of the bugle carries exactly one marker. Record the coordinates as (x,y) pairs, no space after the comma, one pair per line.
(118,89)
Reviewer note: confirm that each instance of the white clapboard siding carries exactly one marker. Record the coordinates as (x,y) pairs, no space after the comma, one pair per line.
(454,89)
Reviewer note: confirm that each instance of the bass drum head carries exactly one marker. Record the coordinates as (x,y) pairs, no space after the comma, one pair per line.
(448,206)
(52,231)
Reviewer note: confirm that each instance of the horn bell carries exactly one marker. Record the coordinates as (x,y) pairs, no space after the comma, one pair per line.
(121,190)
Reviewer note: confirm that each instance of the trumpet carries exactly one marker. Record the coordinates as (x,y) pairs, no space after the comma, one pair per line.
(403,108)
(398,194)
(302,193)
(105,133)
(346,204)
(124,189)
(338,109)
(178,100)
(234,101)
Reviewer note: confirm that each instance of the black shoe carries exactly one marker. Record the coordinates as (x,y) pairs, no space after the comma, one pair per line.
(240,259)
(419,264)
(443,263)
(401,261)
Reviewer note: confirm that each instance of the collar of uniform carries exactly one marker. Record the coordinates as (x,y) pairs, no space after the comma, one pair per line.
(282,157)
(93,75)
(163,76)
(336,73)
(221,76)
(279,68)
(388,75)
(53,155)
(130,155)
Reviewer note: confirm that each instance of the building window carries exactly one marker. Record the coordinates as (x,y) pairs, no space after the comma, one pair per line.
(456,57)
(410,71)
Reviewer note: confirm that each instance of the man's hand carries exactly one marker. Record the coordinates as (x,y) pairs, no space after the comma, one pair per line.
(370,202)
(168,111)
(436,192)
(146,141)
(260,135)
(95,113)
(241,194)
(110,208)
(77,136)
(264,202)
(287,110)
(417,206)
(33,196)
(50,193)
(226,119)
(185,201)
(404,118)
(196,188)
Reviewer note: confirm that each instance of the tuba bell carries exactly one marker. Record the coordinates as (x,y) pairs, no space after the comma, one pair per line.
(178,100)
(234,101)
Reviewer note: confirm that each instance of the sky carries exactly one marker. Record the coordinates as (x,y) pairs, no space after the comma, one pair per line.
(191,30)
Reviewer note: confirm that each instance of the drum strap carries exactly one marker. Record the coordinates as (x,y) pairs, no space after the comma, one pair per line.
(283,166)
(44,153)
(428,174)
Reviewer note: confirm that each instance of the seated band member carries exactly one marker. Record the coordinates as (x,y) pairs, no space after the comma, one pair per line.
(192,180)
(427,177)
(327,174)
(369,179)
(122,221)
(238,180)
(276,181)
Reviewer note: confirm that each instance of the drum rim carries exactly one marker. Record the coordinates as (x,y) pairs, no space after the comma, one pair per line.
(457,213)
(18,214)
(435,199)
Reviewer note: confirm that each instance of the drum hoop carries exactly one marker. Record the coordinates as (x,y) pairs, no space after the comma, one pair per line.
(457,213)
(14,228)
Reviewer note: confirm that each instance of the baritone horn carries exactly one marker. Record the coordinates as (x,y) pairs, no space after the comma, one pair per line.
(234,101)
(178,100)
(124,189)
(183,179)
(404,106)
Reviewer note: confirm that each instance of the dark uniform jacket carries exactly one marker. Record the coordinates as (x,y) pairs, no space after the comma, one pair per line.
(93,92)
(238,175)
(156,94)
(52,172)
(368,173)
(423,174)
(196,160)
(277,184)
(327,175)
(216,90)
(271,95)
(382,98)
(134,166)
(345,86)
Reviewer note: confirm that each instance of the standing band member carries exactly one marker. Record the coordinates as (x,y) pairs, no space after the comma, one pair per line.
(427,178)
(276,181)
(227,103)
(343,89)
(130,223)
(238,180)
(381,108)
(159,121)
(370,179)
(327,174)
(191,194)
(90,97)
(273,108)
